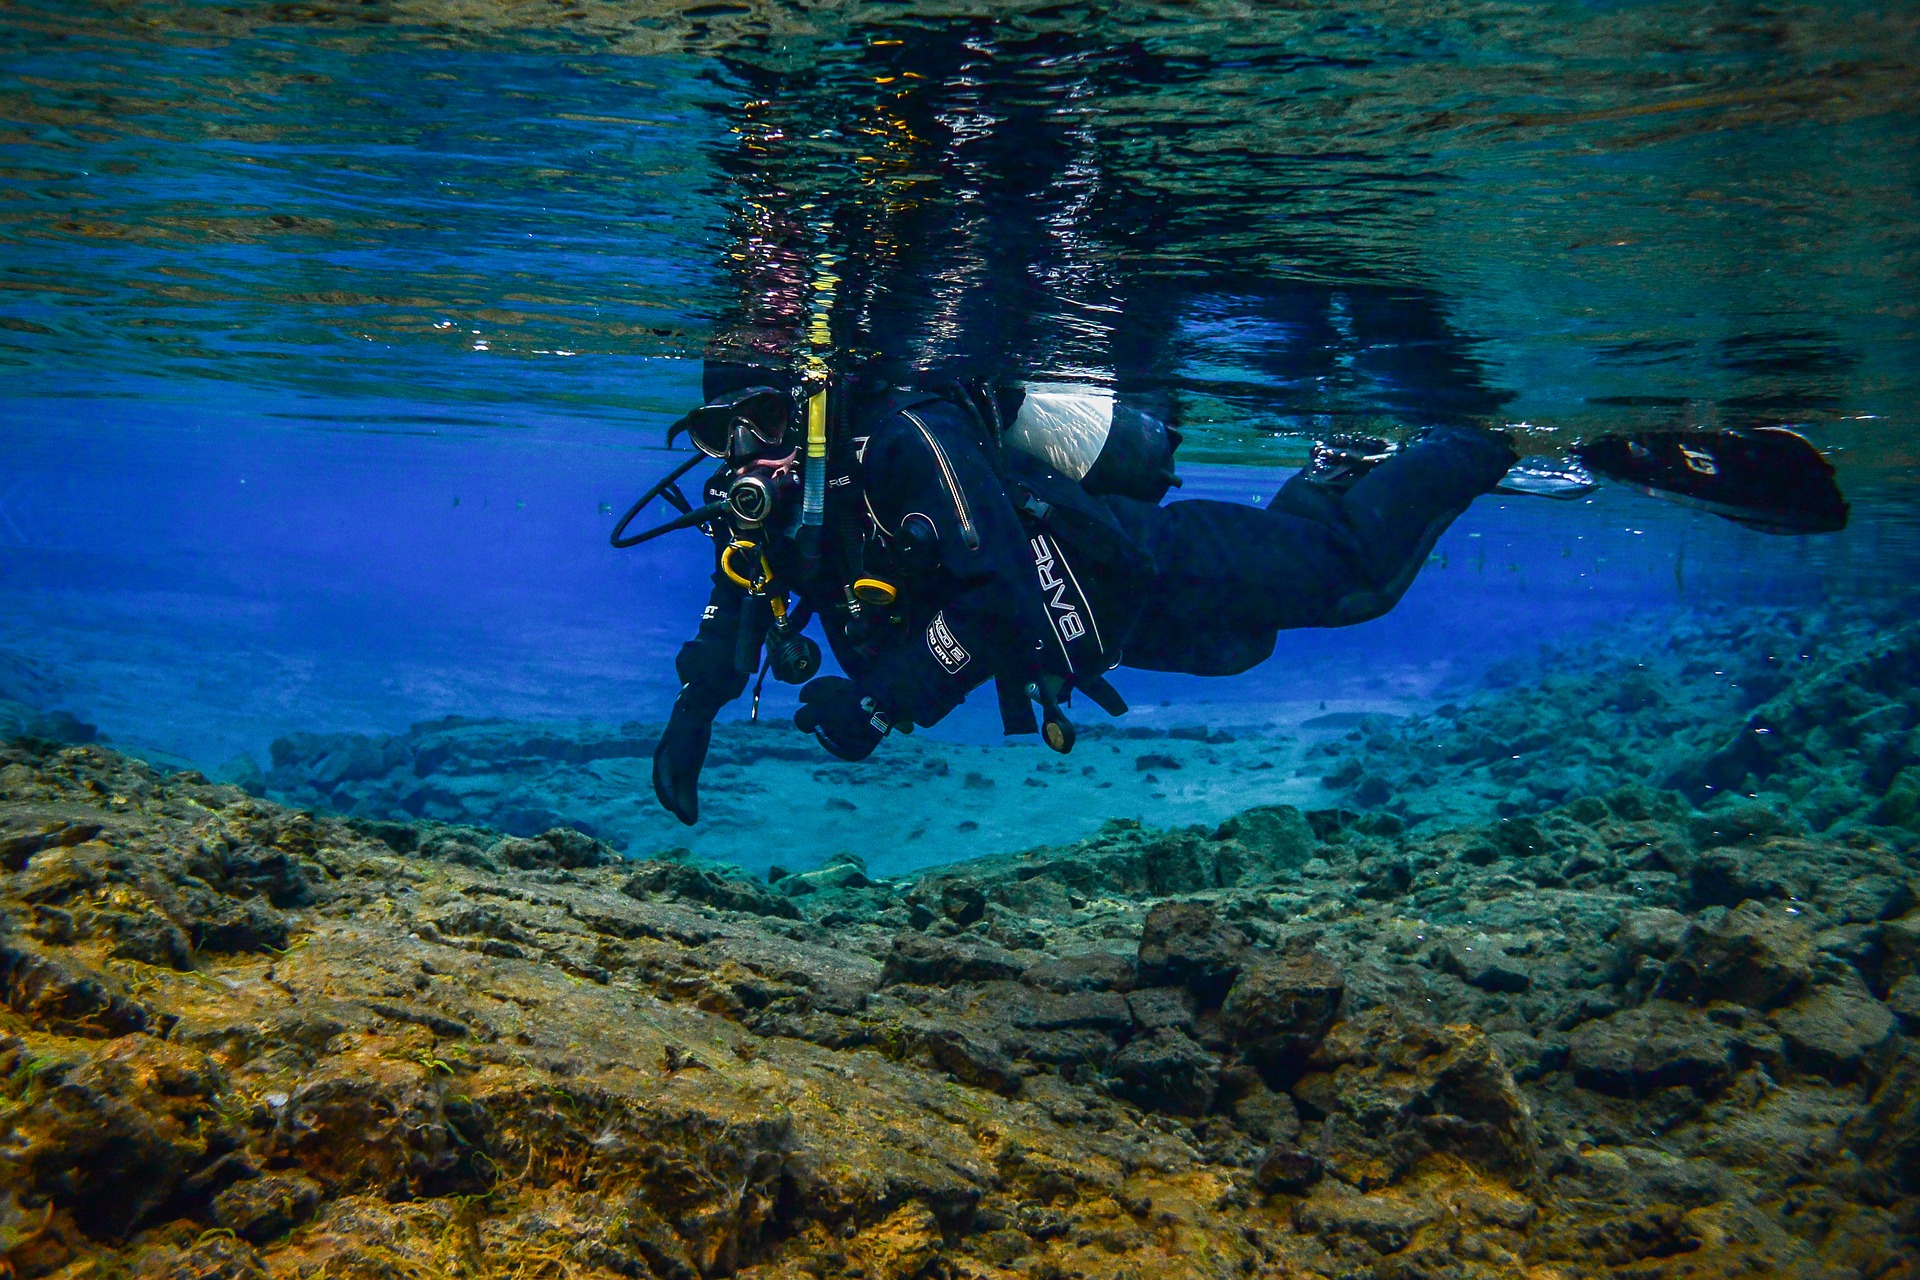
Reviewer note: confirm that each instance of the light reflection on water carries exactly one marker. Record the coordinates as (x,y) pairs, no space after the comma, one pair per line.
(1580,216)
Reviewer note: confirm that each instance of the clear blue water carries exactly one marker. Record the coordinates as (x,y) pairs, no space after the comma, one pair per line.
(333,337)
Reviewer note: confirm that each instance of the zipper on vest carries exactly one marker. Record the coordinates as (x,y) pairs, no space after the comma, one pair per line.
(967,531)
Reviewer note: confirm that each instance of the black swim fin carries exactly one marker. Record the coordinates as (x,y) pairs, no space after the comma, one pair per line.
(1767,478)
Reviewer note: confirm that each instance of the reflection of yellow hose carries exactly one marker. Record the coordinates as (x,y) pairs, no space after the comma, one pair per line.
(813,487)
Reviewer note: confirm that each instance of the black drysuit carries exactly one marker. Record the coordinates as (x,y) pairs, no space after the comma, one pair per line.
(1194,586)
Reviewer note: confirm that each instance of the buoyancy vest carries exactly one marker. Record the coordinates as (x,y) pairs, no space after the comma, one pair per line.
(1066,525)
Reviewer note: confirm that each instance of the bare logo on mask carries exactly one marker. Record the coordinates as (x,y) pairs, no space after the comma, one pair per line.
(947,651)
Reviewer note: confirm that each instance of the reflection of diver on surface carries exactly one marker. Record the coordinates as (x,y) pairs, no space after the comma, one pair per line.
(1767,478)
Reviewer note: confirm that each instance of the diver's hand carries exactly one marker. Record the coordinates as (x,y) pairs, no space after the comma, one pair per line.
(677,759)
(846,724)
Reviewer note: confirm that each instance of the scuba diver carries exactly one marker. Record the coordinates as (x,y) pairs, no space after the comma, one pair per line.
(969,533)
(966,533)
(917,239)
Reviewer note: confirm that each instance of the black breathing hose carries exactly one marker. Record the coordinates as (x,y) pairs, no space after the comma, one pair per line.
(689,518)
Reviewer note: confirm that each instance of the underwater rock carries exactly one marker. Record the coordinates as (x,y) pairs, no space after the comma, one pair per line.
(1280,1007)
(1384,1223)
(110,1137)
(21,720)
(939,962)
(1795,725)
(1833,1030)
(1754,955)
(1479,962)
(1391,1090)
(1278,835)
(1900,947)
(1656,1046)
(265,1208)
(1903,1001)
(970,1060)
(1084,971)
(1164,1070)
(420,1046)
(1886,1134)
(1158,1008)
(899,1248)
(838,876)
(556,847)
(1186,944)
(1651,934)
(694,884)
(1284,1167)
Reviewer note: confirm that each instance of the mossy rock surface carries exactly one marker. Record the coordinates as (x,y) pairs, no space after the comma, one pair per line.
(242,1040)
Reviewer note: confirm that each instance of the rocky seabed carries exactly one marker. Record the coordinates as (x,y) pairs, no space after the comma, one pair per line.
(1662,1024)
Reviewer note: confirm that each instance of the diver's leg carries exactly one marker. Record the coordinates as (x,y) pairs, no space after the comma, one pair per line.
(1397,511)
(1227,577)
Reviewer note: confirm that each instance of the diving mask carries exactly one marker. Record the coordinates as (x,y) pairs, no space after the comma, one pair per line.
(748,422)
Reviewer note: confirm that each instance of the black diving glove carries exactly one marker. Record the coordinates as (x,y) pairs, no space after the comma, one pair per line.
(846,724)
(681,751)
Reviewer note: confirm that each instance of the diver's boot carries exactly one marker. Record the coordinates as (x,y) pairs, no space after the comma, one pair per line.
(1338,461)
(1540,476)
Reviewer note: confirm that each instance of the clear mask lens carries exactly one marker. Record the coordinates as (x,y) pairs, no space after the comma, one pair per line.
(751,422)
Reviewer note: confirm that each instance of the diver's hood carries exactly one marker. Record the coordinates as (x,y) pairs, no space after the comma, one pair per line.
(723,379)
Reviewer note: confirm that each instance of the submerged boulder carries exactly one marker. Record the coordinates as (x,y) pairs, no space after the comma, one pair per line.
(1644,941)
(1391,1089)
(695,884)
(1834,1030)
(1185,943)
(1165,1070)
(265,1208)
(1756,955)
(1482,962)
(1281,1006)
(1656,1046)
(940,962)
(1278,835)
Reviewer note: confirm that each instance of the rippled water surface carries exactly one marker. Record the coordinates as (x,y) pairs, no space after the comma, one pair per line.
(1580,214)
(403,265)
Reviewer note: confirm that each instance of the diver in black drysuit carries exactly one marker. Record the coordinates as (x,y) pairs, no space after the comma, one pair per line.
(990,235)
(1008,570)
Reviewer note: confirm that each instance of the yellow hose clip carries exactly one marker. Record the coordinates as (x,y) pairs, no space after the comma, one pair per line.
(755,585)
(875,592)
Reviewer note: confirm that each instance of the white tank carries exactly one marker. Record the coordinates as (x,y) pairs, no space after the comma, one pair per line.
(1085,434)
(1062,424)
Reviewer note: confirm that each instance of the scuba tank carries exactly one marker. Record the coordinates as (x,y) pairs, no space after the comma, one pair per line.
(1086,434)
